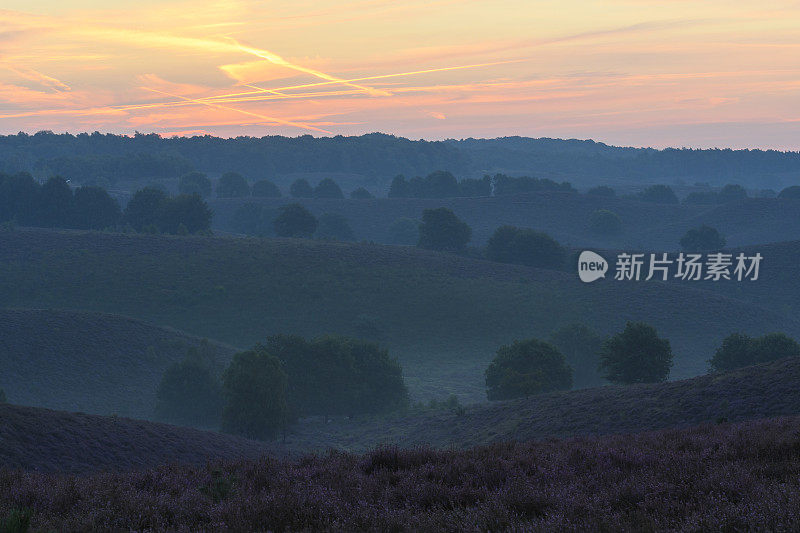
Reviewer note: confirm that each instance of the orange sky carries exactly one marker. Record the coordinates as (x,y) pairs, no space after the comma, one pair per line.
(631,72)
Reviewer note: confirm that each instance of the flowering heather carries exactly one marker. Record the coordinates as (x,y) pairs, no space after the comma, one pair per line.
(712,477)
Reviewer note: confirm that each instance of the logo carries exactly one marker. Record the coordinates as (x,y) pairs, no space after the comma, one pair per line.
(591,266)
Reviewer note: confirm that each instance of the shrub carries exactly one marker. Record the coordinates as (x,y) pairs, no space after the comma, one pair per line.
(255,392)
(265,189)
(17,520)
(605,222)
(404,231)
(442,230)
(659,194)
(328,188)
(189,393)
(704,238)
(296,221)
(301,189)
(195,183)
(334,227)
(525,368)
(361,194)
(636,355)
(523,246)
(232,185)
(739,350)
(581,347)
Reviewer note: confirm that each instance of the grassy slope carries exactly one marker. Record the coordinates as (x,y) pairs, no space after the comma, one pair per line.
(44,440)
(443,315)
(761,391)
(564,216)
(89,362)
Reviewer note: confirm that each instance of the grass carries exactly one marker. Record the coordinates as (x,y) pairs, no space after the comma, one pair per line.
(724,477)
(444,316)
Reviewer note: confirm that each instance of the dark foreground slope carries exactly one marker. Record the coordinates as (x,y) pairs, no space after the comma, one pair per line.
(730,477)
(89,362)
(443,315)
(40,439)
(760,391)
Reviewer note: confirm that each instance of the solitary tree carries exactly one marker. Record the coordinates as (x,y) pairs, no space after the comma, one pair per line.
(636,355)
(739,350)
(232,185)
(523,246)
(265,189)
(301,189)
(525,368)
(255,395)
(328,188)
(442,230)
(294,220)
(195,183)
(704,238)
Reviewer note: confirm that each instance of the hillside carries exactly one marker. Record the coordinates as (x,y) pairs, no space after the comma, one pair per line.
(56,441)
(747,473)
(760,391)
(443,315)
(88,362)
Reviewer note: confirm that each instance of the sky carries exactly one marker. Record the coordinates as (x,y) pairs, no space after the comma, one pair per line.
(682,73)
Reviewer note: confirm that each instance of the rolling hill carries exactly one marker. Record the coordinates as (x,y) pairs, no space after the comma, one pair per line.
(89,362)
(442,315)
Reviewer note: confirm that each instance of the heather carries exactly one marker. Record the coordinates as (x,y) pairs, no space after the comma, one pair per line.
(713,477)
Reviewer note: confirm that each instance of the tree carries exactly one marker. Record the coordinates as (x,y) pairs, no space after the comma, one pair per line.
(605,222)
(254,387)
(442,230)
(659,194)
(144,208)
(187,210)
(404,231)
(195,183)
(581,346)
(525,368)
(296,221)
(636,355)
(399,187)
(334,227)
(602,190)
(55,204)
(19,198)
(301,189)
(440,184)
(739,350)
(95,209)
(523,246)
(790,192)
(361,194)
(189,393)
(328,188)
(704,238)
(266,189)
(731,193)
(232,185)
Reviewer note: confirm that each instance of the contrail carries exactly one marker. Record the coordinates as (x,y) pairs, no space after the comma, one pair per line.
(263,117)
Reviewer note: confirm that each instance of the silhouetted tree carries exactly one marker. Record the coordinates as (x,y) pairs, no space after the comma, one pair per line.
(404,231)
(399,187)
(266,189)
(602,190)
(790,192)
(525,368)
(144,208)
(19,198)
(195,183)
(301,189)
(731,193)
(294,220)
(55,204)
(189,394)
(440,184)
(581,347)
(702,239)
(95,209)
(522,246)
(254,387)
(334,227)
(442,230)
(232,185)
(361,194)
(605,222)
(659,194)
(636,355)
(739,350)
(187,210)
(328,188)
